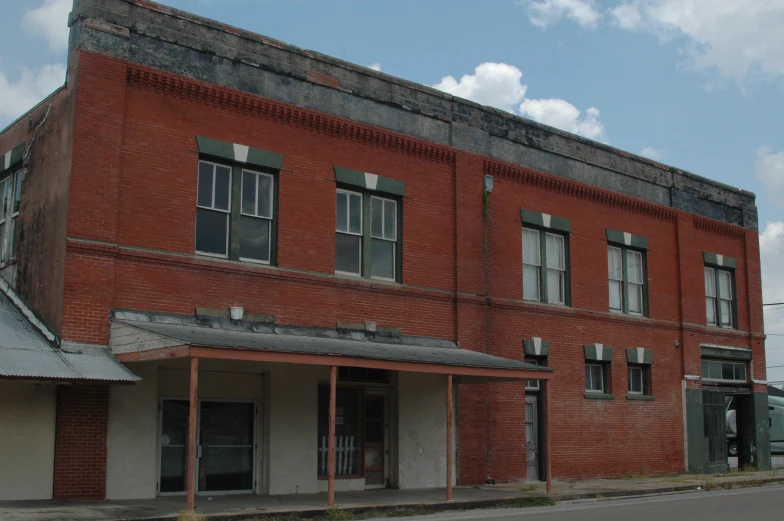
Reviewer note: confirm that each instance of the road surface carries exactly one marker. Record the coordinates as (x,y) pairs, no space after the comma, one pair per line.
(749,504)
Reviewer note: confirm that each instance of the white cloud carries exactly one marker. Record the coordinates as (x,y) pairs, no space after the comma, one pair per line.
(545,12)
(770,171)
(376,67)
(772,258)
(562,114)
(499,85)
(734,38)
(30,87)
(652,153)
(495,84)
(50,22)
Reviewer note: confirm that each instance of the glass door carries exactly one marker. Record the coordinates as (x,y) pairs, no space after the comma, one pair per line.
(375,441)
(226,446)
(225,452)
(531,439)
(174,446)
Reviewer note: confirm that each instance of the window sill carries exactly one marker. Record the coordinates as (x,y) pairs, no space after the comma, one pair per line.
(549,304)
(599,396)
(359,278)
(640,397)
(721,328)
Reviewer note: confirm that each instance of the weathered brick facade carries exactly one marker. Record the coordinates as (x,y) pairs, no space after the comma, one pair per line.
(80,442)
(131,228)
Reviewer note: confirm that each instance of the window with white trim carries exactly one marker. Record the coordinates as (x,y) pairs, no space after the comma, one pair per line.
(367,251)
(595,378)
(10,199)
(626,275)
(235,222)
(532,385)
(544,281)
(639,379)
(724,371)
(256,216)
(719,301)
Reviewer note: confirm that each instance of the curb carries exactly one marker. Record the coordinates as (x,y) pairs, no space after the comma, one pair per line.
(433,508)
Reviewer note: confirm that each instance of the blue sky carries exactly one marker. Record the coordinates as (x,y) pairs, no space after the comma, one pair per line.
(698,84)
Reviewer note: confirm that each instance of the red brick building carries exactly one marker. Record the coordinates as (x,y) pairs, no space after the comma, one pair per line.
(188,168)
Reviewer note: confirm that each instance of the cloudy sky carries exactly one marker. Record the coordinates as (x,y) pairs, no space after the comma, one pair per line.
(698,84)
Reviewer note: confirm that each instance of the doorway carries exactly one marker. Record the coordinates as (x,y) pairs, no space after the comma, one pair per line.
(376,440)
(225,451)
(531,438)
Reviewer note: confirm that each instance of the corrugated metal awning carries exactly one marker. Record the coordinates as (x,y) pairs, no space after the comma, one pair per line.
(139,336)
(27,353)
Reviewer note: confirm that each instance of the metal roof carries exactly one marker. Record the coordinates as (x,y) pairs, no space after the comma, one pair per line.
(26,352)
(312,341)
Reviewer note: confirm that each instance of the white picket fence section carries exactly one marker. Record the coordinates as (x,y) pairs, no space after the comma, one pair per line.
(344,456)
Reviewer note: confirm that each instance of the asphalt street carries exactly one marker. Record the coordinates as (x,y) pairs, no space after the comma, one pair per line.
(750,504)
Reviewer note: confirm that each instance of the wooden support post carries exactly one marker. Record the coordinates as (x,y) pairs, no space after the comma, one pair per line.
(449,437)
(548,426)
(194,400)
(333,382)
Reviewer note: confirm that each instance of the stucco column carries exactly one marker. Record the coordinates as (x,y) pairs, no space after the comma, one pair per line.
(194,400)
(333,379)
(449,437)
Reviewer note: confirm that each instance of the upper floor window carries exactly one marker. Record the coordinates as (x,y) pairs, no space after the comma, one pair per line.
(626,273)
(719,290)
(367,229)
(545,258)
(722,370)
(10,199)
(236,201)
(368,225)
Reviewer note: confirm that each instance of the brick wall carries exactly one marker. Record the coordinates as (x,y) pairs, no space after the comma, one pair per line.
(80,442)
(134,248)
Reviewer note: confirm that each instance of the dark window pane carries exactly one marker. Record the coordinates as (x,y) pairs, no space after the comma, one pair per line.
(376,217)
(390,216)
(382,259)
(222,177)
(347,255)
(211,231)
(255,238)
(727,372)
(265,196)
(341,212)
(205,184)
(355,213)
(348,431)
(248,193)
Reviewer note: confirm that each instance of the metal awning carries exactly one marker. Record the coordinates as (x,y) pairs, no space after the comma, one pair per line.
(141,336)
(29,351)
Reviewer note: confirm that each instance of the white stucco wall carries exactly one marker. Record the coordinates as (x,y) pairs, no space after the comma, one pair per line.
(293,427)
(422,431)
(132,450)
(27,426)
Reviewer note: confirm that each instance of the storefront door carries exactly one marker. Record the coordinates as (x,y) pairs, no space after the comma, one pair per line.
(225,453)
(531,439)
(376,436)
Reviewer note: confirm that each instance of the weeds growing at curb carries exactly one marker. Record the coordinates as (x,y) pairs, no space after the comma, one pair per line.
(191,516)
(532,501)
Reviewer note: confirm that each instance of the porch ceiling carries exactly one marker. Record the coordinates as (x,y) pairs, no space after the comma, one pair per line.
(138,336)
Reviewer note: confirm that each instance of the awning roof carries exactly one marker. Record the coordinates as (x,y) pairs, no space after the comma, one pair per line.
(138,336)
(28,350)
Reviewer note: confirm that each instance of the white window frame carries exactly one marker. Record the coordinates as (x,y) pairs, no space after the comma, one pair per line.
(269,219)
(361,227)
(4,219)
(212,208)
(710,278)
(561,271)
(640,370)
(716,273)
(538,265)
(532,385)
(384,202)
(625,281)
(602,369)
(723,380)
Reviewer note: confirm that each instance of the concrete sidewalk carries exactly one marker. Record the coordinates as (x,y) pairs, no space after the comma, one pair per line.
(373,502)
